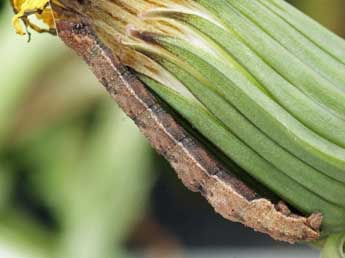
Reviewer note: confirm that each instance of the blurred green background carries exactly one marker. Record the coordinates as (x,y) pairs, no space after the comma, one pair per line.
(77,180)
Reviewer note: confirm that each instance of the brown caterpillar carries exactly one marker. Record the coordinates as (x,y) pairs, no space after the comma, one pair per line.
(197,168)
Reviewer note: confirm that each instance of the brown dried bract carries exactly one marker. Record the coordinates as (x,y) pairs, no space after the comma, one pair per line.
(198,170)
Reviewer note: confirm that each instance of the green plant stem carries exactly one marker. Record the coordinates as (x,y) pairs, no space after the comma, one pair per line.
(334,246)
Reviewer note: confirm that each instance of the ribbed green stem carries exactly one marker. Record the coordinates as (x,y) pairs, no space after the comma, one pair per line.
(334,246)
(268,94)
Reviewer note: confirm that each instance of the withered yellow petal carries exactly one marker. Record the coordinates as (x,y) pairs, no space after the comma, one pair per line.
(25,8)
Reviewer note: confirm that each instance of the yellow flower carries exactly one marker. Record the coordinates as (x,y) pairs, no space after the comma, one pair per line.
(25,8)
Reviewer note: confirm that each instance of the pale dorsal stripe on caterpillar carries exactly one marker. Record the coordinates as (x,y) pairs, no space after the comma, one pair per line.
(198,170)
